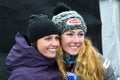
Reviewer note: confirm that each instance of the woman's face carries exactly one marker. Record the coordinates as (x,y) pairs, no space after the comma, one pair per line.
(71,41)
(48,45)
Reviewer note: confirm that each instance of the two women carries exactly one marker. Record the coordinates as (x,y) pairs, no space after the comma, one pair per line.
(78,59)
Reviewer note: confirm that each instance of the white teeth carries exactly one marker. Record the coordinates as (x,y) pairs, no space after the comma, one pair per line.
(52,49)
(74,47)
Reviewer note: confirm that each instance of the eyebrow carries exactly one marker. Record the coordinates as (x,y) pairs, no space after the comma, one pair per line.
(73,31)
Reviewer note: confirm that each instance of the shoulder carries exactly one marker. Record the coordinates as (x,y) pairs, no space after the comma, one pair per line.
(20,74)
(108,67)
(106,62)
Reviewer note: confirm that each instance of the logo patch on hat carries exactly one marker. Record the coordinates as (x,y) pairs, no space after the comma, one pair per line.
(74,21)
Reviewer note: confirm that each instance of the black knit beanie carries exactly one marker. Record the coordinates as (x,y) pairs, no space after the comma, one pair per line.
(40,26)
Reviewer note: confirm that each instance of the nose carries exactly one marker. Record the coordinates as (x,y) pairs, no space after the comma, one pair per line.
(76,39)
(55,42)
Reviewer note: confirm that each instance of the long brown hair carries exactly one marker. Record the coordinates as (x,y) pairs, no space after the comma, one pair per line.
(88,63)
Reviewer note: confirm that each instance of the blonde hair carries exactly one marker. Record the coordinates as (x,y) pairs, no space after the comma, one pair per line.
(88,63)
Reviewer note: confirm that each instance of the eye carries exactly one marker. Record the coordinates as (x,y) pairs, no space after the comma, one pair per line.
(57,38)
(48,38)
(70,34)
(81,34)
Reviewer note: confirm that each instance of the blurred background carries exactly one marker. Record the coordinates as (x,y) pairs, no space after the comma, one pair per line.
(102,18)
(110,17)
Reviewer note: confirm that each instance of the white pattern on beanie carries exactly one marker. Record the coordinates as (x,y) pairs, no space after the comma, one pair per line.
(62,18)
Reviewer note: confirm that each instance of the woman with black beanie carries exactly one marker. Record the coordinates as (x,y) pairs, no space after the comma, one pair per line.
(34,58)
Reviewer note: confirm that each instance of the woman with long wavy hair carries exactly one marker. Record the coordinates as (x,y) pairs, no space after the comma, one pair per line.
(77,58)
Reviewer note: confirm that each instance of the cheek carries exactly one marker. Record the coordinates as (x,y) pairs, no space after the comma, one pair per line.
(64,41)
(41,47)
(81,40)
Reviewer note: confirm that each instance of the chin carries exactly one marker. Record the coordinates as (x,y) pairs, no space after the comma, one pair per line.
(73,54)
(52,56)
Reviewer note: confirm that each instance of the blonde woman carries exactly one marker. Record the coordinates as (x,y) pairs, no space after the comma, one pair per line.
(78,59)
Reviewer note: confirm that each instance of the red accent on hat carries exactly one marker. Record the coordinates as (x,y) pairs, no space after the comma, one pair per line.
(74,21)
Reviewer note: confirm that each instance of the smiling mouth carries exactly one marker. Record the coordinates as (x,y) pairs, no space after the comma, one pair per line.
(52,49)
(74,47)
